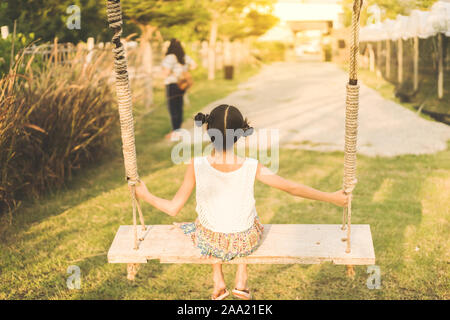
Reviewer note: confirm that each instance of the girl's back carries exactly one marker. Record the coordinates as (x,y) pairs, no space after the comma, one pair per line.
(225,200)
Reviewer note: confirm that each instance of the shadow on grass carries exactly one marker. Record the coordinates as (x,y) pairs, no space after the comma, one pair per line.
(388,197)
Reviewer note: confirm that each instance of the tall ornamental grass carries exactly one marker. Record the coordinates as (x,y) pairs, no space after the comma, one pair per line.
(54,118)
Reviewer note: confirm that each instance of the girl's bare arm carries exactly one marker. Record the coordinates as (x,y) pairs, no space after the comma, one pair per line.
(266,176)
(193,65)
(171,207)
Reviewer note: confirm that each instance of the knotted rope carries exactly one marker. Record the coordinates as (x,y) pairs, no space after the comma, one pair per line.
(114,12)
(351,121)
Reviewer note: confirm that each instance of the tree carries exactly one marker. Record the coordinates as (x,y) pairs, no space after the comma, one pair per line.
(156,14)
(253,24)
(47,19)
(236,19)
(151,16)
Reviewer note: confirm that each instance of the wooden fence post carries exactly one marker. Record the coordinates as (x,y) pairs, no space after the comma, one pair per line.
(400,60)
(204,54)
(378,59)
(219,55)
(227,61)
(5,32)
(416,63)
(237,50)
(12,45)
(212,49)
(90,48)
(371,58)
(147,64)
(55,50)
(388,58)
(440,67)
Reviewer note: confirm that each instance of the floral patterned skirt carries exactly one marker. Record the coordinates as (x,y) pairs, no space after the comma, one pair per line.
(225,246)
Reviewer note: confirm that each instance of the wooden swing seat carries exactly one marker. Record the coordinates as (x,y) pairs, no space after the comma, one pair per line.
(280,244)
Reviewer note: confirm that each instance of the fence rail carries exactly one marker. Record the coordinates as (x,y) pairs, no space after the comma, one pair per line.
(227,53)
(419,69)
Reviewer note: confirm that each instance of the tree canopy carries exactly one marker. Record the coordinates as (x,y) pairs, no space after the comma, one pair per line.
(160,13)
(185,19)
(247,18)
(190,19)
(47,18)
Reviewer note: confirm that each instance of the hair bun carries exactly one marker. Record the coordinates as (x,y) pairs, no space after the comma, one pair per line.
(201,118)
(248,131)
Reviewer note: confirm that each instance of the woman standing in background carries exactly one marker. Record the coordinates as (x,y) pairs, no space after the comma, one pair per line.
(175,63)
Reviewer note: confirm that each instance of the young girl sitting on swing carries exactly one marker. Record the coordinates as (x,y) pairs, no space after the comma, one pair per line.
(227,225)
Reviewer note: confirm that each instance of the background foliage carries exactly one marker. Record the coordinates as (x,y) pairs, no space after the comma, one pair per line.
(47,19)
(186,19)
(53,119)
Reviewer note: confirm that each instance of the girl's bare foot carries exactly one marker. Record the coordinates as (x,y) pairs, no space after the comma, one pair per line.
(173,135)
(168,136)
(241,290)
(219,281)
(241,277)
(219,289)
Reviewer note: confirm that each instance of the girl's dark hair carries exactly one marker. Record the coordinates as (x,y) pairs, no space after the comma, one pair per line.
(220,119)
(176,48)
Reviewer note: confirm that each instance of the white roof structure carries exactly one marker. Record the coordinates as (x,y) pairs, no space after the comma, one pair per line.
(308,11)
(305,14)
(422,24)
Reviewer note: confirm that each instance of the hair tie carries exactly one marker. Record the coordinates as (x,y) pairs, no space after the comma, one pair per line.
(248,131)
(201,118)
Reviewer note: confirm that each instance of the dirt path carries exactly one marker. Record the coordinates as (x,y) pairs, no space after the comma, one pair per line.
(305,101)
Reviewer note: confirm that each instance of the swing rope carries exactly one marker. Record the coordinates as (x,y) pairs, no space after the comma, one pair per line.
(114,12)
(351,121)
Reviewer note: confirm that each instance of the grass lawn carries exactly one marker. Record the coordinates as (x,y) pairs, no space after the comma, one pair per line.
(405,200)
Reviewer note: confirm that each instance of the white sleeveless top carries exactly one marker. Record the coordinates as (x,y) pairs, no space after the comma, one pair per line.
(176,69)
(225,200)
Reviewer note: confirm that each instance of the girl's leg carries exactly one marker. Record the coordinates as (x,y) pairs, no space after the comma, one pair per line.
(241,277)
(219,281)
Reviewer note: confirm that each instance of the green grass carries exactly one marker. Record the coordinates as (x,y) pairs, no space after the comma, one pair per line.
(405,200)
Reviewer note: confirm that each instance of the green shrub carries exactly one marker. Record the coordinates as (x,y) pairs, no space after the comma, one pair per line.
(52,121)
(269,51)
(20,42)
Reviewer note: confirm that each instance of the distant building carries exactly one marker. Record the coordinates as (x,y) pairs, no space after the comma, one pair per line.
(297,16)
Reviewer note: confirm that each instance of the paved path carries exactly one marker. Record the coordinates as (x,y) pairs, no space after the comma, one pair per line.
(306,102)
